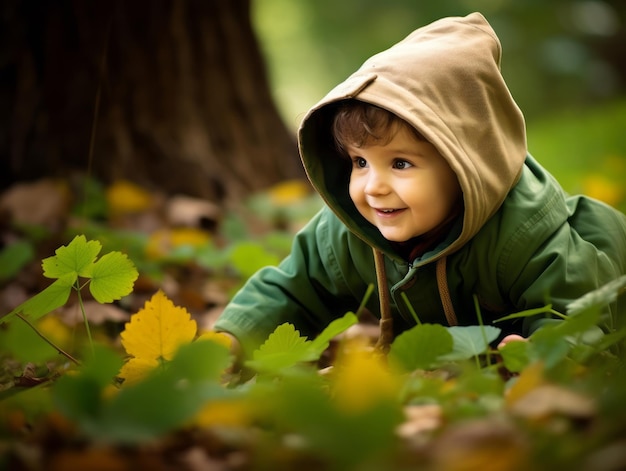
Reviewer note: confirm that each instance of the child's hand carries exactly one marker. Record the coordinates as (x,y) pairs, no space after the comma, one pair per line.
(511,338)
(235,346)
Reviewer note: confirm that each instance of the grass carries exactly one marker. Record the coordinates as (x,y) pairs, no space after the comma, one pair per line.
(585,150)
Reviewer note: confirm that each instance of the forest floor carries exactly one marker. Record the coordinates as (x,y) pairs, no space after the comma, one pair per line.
(552,405)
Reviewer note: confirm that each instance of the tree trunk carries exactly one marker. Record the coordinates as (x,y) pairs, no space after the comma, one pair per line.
(172,94)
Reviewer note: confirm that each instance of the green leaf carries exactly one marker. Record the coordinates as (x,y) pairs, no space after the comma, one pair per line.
(166,399)
(283,349)
(515,356)
(579,322)
(526,313)
(51,298)
(249,257)
(112,277)
(421,346)
(336,327)
(79,396)
(597,298)
(23,343)
(470,341)
(548,345)
(14,257)
(75,258)
(215,358)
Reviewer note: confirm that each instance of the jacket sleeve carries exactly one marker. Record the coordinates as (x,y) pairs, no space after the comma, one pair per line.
(307,289)
(583,254)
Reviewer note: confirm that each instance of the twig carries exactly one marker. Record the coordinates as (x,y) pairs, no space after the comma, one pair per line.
(48,341)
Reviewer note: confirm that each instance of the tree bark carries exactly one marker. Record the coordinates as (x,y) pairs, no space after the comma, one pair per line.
(172,94)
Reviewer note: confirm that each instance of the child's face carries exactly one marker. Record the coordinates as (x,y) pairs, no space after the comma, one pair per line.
(405,187)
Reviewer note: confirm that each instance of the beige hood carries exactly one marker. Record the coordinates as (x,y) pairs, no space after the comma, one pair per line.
(445,80)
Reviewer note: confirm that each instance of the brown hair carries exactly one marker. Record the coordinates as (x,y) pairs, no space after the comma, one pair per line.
(360,124)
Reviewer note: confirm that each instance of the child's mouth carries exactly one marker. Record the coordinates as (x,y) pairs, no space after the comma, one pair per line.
(388,212)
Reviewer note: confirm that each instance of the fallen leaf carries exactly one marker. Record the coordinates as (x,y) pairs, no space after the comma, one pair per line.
(136,369)
(362,378)
(40,203)
(481,444)
(225,413)
(285,193)
(530,378)
(419,419)
(548,399)
(157,331)
(96,313)
(124,197)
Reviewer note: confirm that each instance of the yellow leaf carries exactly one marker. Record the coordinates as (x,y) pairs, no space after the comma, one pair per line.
(287,192)
(480,444)
(157,330)
(136,369)
(530,378)
(604,189)
(163,241)
(217,337)
(55,330)
(362,378)
(225,413)
(124,197)
(547,400)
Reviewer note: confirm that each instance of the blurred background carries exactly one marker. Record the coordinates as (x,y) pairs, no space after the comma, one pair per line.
(203,98)
(564,61)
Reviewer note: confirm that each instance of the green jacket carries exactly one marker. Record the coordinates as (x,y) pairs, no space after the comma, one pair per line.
(522,241)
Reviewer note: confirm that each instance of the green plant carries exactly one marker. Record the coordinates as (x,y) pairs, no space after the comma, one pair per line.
(73,267)
(558,401)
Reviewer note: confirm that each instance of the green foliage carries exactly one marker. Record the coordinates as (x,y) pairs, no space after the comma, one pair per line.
(421,346)
(471,341)
(110,278)
(23,344)
(327,434)
(547,56)
(347,419)
(166,399)
(14,257)
(286,348)
(248,257)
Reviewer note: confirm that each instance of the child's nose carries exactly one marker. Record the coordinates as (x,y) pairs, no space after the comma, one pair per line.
(376,184)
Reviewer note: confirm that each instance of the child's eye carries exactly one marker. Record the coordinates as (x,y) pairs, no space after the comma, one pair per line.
(402,164)
(359,162)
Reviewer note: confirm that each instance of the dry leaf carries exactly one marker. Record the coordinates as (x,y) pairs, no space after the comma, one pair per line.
(124,197)
(529,379)
(185,211)
(163,241)
(359,368)
(482,444)
(157,330)
(41,203)
(548,399)
(96,313)
(420,419)
(285,193)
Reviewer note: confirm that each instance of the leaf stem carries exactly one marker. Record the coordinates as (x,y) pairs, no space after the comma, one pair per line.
(366,296)
(409,306)
(82,310)
(482,330)
(48,341)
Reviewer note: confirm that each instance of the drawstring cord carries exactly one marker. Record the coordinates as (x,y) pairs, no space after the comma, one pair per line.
(386,321)
(444,292)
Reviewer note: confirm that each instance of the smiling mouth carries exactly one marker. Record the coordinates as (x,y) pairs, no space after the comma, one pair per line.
(388,211)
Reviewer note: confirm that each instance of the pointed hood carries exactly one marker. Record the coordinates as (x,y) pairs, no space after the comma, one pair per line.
(445,80)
